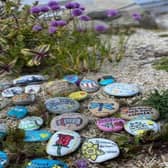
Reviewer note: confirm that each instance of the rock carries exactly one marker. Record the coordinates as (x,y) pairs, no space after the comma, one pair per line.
(110,124)
(73,79)
(29,79)
(98,150)
(61,105)
(10,92)
(105,80)
(18,112)
(3,159)
(46,163)
(5,85)
(32,89)
(138,127)
(63,142)
(103,108)
(79,95)
(23,99)
(37,136)
(69,121)
(4,102)
(121,89)
(3,129)
(141,112)
(31,123)
(89,85)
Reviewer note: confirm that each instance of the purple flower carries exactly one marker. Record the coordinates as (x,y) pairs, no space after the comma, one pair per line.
(77,12)
(82,8)
(84,18)
(136,16)
(53,23)
(81,163)
(100,28)
(72,5)
(35,10)
(76,4)
(61,23)
(37,28)
(44,8)
(55,7)
(111,12)
(52,30)
(52,3)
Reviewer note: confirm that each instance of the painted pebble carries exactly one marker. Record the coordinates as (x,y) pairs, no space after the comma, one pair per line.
(138,127)
(63,142)
(5,85)
(71,78)
(121,89)
(23,99)
(79,95)
(69,121)
(46,163)
(31,123)
(10,92)
(89,85)
(98,150)
(61,105)
(110,124)
(18,112)
(3,129)
(103,108)
(37,136)
(106,80)
(32,89)
(3,159)
(141,112)
(29,79)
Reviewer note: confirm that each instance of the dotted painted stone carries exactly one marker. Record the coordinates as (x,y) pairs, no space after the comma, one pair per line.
(3,159)
(121,89)
(61,105)
(18,112)
(98,150)
(69,121)
(79,95)
(32,89)
(103,108)
(10,92)
(63,142)
(106,80)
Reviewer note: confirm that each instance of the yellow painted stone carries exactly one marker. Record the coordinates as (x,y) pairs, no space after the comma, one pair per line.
(79,95)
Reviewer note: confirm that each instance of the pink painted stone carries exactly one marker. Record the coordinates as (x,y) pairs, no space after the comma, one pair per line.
(110,124)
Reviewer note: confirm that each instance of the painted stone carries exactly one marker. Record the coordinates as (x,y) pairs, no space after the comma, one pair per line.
(29,79)
(110,124)
(79,95)
(23,99)
(63,142)
(60,105)
(10,92)
(37,136)
(89,85)
(121,89)
(98,150)
(103,108)
(138,127)
(3,159)
(46,163)
(69,121)
(3,129)
(71,78)
(31,123)
(5,85)
(106,80)
(18,112)
(139,112)
(32,89)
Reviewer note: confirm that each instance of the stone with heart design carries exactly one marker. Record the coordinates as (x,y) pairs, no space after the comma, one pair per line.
(141,112)
(98,150)
(32,89)
(110,124)
(106,80)
(79,95)
(10,92)
(63,142)
(103,108)
(69,121)
(3,159)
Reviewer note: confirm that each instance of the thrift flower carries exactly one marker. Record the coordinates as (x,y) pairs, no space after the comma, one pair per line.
(100,28)
(53,23)
(52,30)
(35,10)
(55,7)
(61,23)
(77,12)
(44,8)
(72,5)
(111,12)
(84,18)
(136,16)
(37,28)
(52,3)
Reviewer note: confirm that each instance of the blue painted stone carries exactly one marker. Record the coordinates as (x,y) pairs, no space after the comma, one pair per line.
(18,112)
(71,78)
(121,89)
(46,163)
(3,159)
(106,80)
(37,136)
(61,105)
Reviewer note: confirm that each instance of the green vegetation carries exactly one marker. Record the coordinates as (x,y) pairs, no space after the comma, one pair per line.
(162,64)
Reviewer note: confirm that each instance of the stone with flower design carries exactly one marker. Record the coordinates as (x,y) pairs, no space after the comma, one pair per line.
(69,121)
(98,150)
(3,159)
(31,123)
(110,124)
(103,108)
(32,89)
(10,92)
(79,95)
(63,142)
(46,163)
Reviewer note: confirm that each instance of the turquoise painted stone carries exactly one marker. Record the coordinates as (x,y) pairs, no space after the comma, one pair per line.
(46,163)
(3,159)
(121,89)
(18,112)
(106,80)
(71,78)
(37,136)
